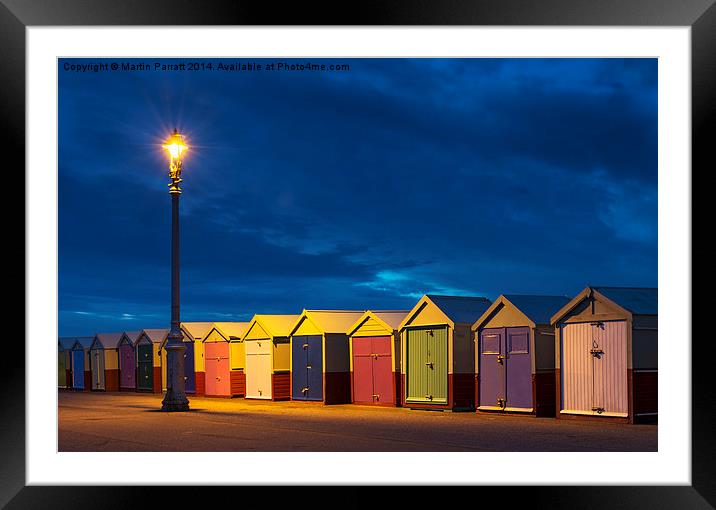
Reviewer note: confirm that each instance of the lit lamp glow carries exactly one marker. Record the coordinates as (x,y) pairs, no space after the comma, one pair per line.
(176,148)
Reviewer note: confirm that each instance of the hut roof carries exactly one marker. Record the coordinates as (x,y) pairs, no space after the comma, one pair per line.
(108,340)
(539,309)
(84,341)
(390,319)
(638,300)
(230,329)
(198,330)
(157,336)
(461,309)
(275,325)
(132,335)
(330,321)
(66,342)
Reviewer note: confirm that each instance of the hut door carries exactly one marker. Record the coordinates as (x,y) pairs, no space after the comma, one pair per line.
(263,370)
(373,371)
(258,368)
(78,369)
(127,368)
(518,369)
(189,380)
(218,372)
(608,352)
(576,361)
(492,369)
(145,367)
(436,364)
(307,367)
(97,364)
(299,375)
(427,365)
(362,370)
(382,371)
(61,366)
(314,368)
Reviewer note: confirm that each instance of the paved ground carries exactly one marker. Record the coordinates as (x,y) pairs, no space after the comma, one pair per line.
(132,422)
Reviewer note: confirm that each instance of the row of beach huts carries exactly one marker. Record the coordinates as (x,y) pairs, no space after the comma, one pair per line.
(593,356)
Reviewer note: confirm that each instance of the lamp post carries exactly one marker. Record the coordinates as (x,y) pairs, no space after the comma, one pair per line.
(175,398)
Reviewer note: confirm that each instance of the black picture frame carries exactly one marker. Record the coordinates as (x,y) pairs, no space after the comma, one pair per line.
(700,15)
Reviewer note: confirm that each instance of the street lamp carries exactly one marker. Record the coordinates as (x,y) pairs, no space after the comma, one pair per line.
(175,398)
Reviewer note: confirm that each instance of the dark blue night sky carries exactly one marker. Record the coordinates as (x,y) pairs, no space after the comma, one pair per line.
(354,189)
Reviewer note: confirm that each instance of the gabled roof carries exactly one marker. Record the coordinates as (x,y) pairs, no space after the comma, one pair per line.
(83,341)
(538,309)
(230,330)
(108,340)
(66,342)
(638,300)
(131,336)
(461,309)
(631,300)
(390,319)
(197,330)
(457,309)
(274,325)
(157,336)
(329,321)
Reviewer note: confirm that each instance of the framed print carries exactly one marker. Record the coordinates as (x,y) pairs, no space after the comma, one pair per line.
(428,245)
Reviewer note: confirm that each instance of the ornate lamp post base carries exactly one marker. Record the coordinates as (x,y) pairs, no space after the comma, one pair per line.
(175,400)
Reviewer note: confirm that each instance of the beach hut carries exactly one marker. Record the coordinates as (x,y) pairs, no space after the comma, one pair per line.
(514,365)
(439,352)
(374,343)
(268,354)
(606,354)
(149,363)
(194,333)
(64,361)
(224,360)
(81,374)
(128,361)
(104,361)
(320,356)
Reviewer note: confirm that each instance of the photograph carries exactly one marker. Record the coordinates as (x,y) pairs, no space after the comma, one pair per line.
(434,254)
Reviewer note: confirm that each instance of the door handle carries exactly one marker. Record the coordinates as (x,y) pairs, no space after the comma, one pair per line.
(501,358)
(429,397)
(376,397)
(429,364)
(304,390)
(305,346)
